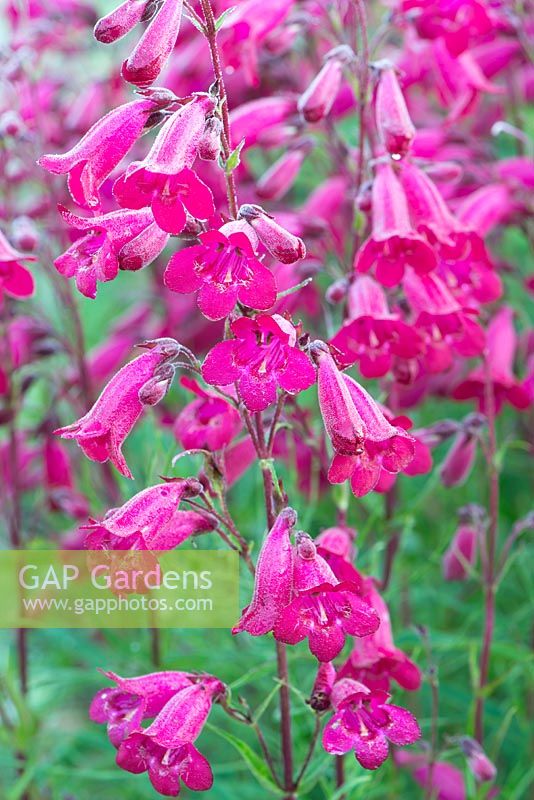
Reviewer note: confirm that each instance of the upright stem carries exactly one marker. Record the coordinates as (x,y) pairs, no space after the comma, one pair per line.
(211,36)
(363,87)
(491,547)
(340,773)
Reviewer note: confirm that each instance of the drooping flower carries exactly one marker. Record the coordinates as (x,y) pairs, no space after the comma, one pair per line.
(323,609)
(365,722)
(363,440)
(224,269)
(122,20)
(263,357)
(395,127)
(322,687)
(124,706)
(102,148)
(15,279)
(394,243)
(461,554)
(459,461)
(501,347)
(209,422)
(280,243)
(273,584)
(59,482)
(280,177)
(102,431)
(445,780)
(316,102)
(148,57)
(119,240)
(480,765)
(164,180)
(372,335)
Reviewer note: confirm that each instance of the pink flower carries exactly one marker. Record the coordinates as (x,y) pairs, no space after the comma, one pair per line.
(15,280)
(395,128)
(372,335)
(274,578)
(480,765)
(131,700)
(253,119)
(122,20)
(280,243)
(165,749)
(263,357)
(102,431)
(501,347)
(224,269)
(59,482)
(364,722)
(394,244)
(164,180)
(148,57)
(150,520)
(317,100)
(322,687)
(323,609)
(461,554)
(119,240)
(280,177)
(102,148)
(363,440)
(459,461)
(208,423)
(446,781)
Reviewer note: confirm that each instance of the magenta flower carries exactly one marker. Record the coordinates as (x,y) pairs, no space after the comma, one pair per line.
(446,781)
(461,554)
(274,578)
(122,20)
(151,519)
(148,57)
(395,128)
(102,431)
(165,749)
(280,243)
(251,120)
(363,440)
(263,357)
(281,176)
(224,270)
(323,609)
(131,700)
(501,348)
(393,244)
(372,335)
(365,722)
(102,148)
(59,482)
(209,422)
(164,180)
(15,280)
(480,765)
(120,240)
(460,459)
(317,100)
(322,686)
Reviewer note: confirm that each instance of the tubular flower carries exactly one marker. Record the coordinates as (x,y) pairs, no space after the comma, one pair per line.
(280,243)
(151,519)
(102,148)
(501,348)
(124,706)
(102,431)
(224,269)
(209,422)
(122,20)
(59,482)
(363,440)
(393,121)
(120,240)
(263,357)
(317,100)
(15,280)
(281,175)
(364,722)
(393,244)
(461,554)
(372,335)
(323,609)
(165,749)
(164,180)
(148,57)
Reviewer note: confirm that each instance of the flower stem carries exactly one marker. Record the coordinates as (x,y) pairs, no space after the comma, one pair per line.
(340,774)
(211,36)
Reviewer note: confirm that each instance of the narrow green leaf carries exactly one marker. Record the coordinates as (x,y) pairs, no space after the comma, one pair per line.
(234,159)
(253,761)
(222,19)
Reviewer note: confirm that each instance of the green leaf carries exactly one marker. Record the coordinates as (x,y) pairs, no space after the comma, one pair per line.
(221,20)
(253,761)
(234,159)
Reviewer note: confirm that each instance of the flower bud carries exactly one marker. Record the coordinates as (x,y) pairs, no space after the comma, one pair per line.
(209,146)
(393,121)
(157,387)
(322,688)
(316,102)
(281,176)
(25,234)
(11,124)
(482,768)
(461,554)
(280,243)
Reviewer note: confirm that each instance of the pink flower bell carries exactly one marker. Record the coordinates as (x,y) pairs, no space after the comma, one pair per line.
(263,357)
(148,57)
(120,240)
(363,440)
(280,243)
(58,478)
(317,100)
(102,148)
(209,422)
(395,128)
(15,279)
(224,269)
(164,180)
(122,20)
(393,244)
(461,554)
(372,335)
(281,176)
(102,431)
(365,722)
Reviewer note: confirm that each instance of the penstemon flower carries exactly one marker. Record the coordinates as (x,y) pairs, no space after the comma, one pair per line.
(15,279)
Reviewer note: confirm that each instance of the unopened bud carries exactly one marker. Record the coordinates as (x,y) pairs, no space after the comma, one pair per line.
(280,243)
